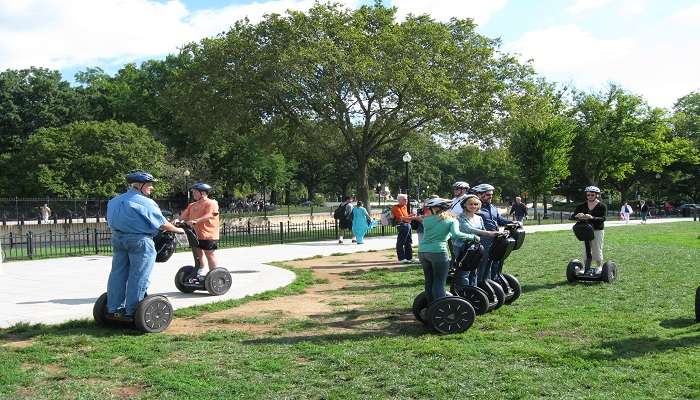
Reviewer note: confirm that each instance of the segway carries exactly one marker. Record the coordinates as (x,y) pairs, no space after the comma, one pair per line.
(578,271)
(500,250)
(153,314)
(216,282)
(468,261)
(451,314)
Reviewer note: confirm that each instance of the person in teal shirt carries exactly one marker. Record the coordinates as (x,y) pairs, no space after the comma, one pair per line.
(438,226)
(361,222)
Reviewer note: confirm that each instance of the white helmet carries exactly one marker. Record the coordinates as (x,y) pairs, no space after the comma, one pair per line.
(592,189)
(438,202)
(460,185)
(482,188)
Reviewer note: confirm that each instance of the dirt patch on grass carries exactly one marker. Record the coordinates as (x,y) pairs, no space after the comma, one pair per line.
(17,342)
(126,392)
(317,303)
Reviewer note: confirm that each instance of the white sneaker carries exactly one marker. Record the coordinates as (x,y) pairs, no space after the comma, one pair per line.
(407,261)
(340,242)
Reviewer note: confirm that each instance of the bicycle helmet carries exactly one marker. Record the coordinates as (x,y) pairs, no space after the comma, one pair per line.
(460,185)
(140,177)
(438,203)
(201,186)
(482,188)
(463,202)
(592,189)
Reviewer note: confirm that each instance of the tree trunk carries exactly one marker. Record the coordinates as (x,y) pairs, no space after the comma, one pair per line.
(534,205)
(362,182)
(544,205)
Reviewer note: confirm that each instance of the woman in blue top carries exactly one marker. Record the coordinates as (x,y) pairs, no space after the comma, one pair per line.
(438,226)
(469,222)
(361,222)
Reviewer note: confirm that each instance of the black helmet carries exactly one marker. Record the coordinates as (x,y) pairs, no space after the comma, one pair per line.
(141,177)
(201,186)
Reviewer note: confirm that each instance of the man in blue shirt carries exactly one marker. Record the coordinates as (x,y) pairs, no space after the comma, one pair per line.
(134,219)
(492,220)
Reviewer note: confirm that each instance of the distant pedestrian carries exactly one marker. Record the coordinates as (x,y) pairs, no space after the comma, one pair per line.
(518,211)
(404,242)
(643,211)
(361,222)
(343,214)
(45,213)
(625,212)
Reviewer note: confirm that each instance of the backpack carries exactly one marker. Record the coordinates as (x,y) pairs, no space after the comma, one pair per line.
(343,212)
(387,218)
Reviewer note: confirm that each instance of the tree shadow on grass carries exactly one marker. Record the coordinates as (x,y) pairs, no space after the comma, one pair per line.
(350,325)
(641,346)
(545,286)
(678,323)
(24,331)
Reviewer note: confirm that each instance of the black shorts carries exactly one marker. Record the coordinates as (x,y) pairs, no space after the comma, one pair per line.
(208,244)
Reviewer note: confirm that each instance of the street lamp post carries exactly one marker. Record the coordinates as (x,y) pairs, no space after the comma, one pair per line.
(406,160)
(186,174)
(658,194)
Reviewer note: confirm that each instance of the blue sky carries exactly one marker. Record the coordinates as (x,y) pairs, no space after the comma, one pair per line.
(649,47)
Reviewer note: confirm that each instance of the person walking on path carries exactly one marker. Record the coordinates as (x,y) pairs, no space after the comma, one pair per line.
(203,216)
(361,222)
(134,219)
(438,226)
(404,242)
(45,213)
(518,211)
(643,211)
(343,214)
(625,212)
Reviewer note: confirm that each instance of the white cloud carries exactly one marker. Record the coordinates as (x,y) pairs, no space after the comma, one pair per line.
(581,6)
(689,16)
(659,69)
(60,34)
(443,10)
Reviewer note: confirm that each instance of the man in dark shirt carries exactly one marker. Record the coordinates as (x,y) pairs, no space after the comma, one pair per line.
(519,210)
(492,220)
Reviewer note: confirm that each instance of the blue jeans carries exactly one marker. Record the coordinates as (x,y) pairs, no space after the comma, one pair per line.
(435,268)
(132,262)
(404,242)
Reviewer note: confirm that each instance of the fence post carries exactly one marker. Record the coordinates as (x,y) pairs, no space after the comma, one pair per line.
(12,240)
(21,219)
(38,219)
(97,247)
(539,220)
(281,232)
(249,226)
(30,249)
(561,217)
(55,219)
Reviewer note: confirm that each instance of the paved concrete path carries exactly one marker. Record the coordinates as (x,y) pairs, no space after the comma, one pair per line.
(62,289)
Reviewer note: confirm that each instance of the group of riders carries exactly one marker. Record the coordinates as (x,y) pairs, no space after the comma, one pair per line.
(471,217)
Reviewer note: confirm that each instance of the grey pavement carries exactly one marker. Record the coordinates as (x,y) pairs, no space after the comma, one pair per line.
(61,289)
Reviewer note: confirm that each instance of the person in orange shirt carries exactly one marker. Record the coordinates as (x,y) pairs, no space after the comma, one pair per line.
(203,216)
(404,242)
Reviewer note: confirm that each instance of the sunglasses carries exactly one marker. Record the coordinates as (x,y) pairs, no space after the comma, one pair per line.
(591,194)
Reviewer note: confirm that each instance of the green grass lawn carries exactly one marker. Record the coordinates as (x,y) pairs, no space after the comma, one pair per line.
(633,339)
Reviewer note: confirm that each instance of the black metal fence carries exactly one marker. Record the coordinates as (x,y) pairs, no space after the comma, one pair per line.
(21,209)
(98,241)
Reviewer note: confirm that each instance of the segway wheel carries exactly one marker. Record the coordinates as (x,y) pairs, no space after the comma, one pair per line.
(697,304)
(475,296)
(514,286)
(451,315)
(153,314)
(419,303)
(498,291)
(609,272)
(99,311)
(182,274)
(218,281)
(571,270)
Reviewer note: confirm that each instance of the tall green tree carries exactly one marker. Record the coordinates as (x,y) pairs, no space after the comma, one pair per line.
(85,159)
(541,138)
(370,78)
